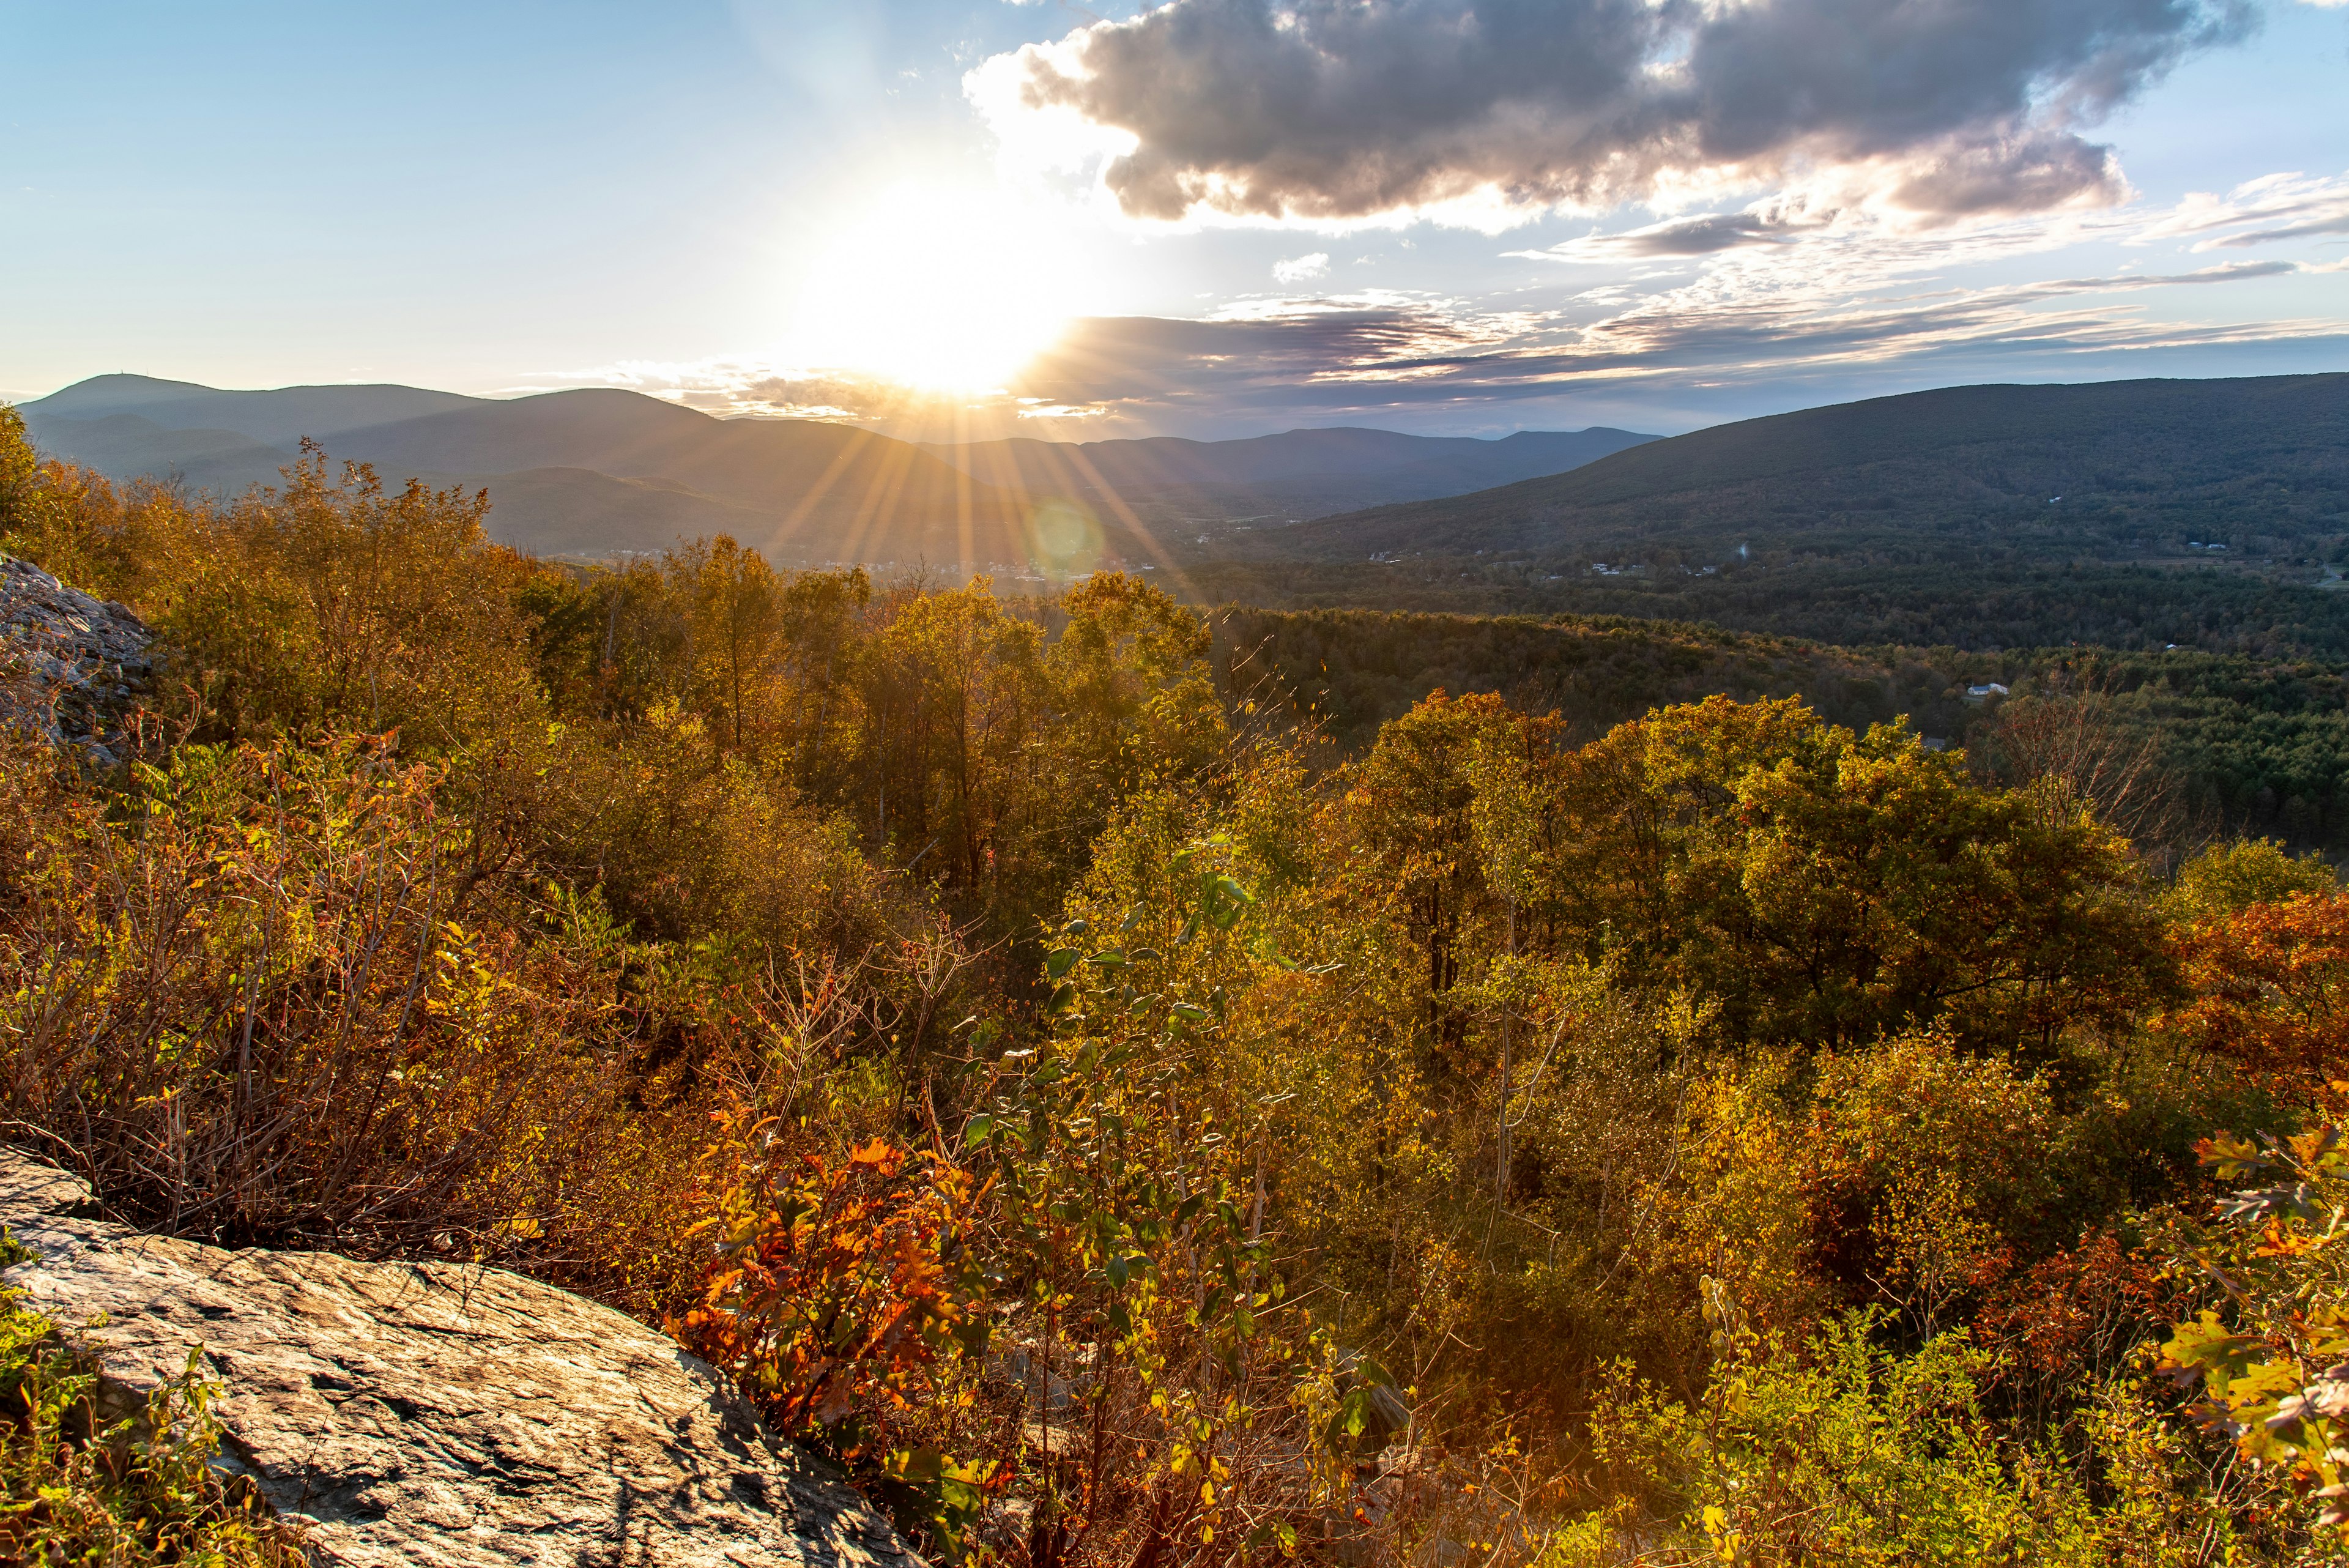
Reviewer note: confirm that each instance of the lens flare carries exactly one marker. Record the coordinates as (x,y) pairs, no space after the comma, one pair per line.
(1064,537)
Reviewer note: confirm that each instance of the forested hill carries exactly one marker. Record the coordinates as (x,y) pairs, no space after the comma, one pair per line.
(590,472)
(1297,473)
(2118,470)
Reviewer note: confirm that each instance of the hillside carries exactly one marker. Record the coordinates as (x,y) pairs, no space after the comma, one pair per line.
(589,471)
(2210,514)
(1983,607)
(822,492)
(2245,742)
(2127,470)
(1297,473)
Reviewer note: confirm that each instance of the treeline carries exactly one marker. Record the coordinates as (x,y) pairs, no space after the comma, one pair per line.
(1979,606)
(2241,744)
(1353,670)
(1117,1129)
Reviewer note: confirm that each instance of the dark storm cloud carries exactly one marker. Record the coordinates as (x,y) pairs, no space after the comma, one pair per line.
(1332,110)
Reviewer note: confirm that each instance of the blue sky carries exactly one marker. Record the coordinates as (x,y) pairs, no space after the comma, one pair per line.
(882,212)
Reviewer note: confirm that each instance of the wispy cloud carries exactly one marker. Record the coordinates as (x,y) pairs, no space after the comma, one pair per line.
(2260,211)
(732,387)
(1706,233)
(1756,319)
(1395,357)
(1298,269)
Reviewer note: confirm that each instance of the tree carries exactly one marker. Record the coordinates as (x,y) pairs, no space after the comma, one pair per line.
(2268,989)
(736,617)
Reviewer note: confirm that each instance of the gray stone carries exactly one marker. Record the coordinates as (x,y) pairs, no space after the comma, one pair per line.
(432,1413)
(71,665)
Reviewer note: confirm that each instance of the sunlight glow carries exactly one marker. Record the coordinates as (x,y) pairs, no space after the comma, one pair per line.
(946,291)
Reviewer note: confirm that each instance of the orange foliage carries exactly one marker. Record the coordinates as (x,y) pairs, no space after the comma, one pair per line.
(2079,1313)
(829,1294)
(2269,990)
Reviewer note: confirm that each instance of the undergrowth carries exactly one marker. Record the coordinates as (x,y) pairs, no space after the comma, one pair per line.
(85,1483)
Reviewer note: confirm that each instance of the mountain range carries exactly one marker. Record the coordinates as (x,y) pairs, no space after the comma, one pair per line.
(1880,520)
(2105,472)
(599,471)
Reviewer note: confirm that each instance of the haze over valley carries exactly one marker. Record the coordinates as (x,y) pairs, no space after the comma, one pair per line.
(598,473)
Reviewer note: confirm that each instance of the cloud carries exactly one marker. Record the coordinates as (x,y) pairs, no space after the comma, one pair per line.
(1701,235)
(1334,111)
(1391,356)
(1836,300)
(1299,268)
(730,387)
(1847,320)
(2233,272)
(2272,208)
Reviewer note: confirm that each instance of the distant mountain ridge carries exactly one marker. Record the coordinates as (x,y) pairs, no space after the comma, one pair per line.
(590,472)
(596,471)
(280,418)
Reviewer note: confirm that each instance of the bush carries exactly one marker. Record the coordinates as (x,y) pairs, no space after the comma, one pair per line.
(1840,1451)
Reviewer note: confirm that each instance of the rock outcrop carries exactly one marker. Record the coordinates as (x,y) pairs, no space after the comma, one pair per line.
(433,1414)
(71,665)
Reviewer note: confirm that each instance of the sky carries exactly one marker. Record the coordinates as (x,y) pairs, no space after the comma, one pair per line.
(1206,217)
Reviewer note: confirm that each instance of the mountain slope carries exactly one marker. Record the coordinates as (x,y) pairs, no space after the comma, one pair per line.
(827,492)
(2128,470)
(125,445)
(586,472)
(1303,473)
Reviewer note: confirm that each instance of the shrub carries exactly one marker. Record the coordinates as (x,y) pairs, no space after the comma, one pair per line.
(1838,1450)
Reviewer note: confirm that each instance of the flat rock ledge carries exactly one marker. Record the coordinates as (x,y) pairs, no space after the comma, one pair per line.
(427,1413)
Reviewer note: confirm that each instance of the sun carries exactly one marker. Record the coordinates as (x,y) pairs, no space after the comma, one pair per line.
(941,291)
